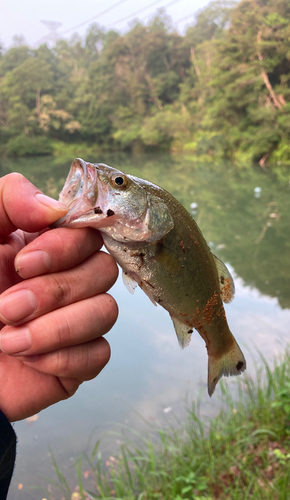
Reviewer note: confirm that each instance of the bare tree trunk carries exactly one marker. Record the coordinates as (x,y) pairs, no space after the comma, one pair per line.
(192,53)
(208,59)
(277,100)
(166,63)
(38,108)
(4,115)
(153,92)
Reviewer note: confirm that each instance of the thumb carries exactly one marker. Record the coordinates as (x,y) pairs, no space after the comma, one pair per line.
(23,206)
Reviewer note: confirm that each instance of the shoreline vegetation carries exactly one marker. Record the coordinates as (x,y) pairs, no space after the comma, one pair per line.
(220,92)
(242,453)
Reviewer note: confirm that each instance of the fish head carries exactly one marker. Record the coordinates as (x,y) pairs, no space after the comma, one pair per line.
(122,206)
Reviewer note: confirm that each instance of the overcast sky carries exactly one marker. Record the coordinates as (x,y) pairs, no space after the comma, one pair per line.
(23,17)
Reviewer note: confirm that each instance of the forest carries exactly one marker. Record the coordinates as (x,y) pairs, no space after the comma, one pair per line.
(219,92)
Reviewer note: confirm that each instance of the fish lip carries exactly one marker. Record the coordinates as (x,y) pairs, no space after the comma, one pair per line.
(79,192)
(68,220)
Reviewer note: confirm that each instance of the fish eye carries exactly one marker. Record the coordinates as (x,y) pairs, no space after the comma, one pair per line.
(119,181)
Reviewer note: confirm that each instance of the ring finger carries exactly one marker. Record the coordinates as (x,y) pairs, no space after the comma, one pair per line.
(73,325)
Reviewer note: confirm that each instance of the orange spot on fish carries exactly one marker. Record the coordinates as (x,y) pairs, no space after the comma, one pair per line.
(227,289)
(209,310)
(181,244)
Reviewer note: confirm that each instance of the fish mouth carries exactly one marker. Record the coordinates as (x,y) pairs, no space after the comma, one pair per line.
(79,194)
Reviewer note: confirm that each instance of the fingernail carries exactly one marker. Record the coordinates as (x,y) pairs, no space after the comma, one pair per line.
(17,305)
(50,202)
(15,340)
(33,263)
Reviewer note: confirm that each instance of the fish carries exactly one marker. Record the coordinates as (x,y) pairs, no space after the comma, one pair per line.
(159,247)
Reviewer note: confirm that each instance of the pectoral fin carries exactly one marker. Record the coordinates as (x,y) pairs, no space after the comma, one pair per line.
(227,285)
(183,332)
(131,284)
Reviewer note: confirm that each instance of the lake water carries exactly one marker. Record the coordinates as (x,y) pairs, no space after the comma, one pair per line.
(149,378)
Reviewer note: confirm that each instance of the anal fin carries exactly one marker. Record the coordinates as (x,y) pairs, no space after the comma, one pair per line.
(183,332)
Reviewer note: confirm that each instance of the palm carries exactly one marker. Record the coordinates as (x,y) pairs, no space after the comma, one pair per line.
(25,391)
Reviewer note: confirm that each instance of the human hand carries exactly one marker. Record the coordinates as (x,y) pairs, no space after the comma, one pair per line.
(54,310)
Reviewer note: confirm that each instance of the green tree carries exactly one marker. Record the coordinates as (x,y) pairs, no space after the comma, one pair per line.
(211,22)
(221,91)
(20,90)
(249,82)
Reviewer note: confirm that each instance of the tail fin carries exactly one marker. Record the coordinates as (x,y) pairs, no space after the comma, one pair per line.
(230,363)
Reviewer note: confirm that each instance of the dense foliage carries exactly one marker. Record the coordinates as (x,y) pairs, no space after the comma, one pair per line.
(221,91)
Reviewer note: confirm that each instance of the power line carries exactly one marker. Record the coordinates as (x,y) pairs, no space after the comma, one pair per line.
(130,16)
(184,18)
(144,8)
(94,17)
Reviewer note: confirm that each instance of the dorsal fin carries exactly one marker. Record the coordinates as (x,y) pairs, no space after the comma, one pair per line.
(227,285)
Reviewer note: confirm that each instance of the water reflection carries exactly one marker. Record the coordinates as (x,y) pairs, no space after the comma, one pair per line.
(249,232)
(148,373)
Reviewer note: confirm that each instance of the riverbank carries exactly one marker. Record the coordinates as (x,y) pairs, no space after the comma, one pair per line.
(243,453)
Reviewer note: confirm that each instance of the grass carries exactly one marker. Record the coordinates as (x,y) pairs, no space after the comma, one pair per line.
(243,453)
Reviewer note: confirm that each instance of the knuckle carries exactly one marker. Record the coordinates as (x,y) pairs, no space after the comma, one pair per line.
(109,268)
(107,312)
(60,288)
(63,331)
(62,362)
(86,241)
(14,177)
(96,358)
(112,308)
(70,385)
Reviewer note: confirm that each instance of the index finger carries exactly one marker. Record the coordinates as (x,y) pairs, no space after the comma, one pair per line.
(23,206)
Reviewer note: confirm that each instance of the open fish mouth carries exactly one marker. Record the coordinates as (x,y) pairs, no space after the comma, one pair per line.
(79,194)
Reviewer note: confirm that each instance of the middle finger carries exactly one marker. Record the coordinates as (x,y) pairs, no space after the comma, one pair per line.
(37,296)
(57,250)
